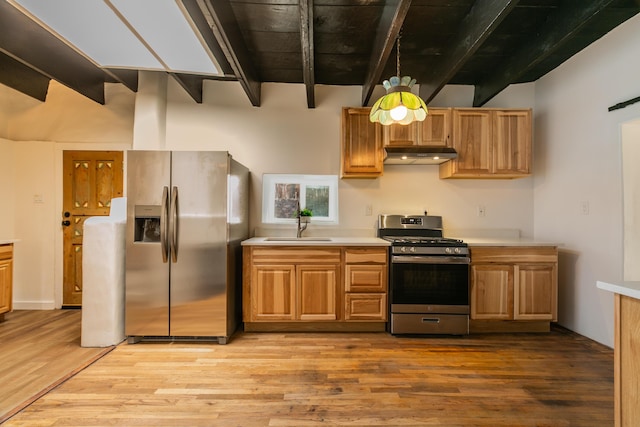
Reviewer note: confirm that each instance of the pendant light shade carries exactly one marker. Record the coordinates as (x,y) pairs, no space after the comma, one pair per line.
(399,105)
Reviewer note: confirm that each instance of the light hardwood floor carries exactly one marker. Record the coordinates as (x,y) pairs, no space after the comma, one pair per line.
(355,379)
(40,349)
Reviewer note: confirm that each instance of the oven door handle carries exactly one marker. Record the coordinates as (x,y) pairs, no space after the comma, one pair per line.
(406,259)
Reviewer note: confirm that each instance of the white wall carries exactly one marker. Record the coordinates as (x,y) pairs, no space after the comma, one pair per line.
(31,176)
(578,159)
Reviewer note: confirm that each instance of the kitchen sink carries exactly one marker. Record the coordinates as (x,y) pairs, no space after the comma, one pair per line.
(297,239)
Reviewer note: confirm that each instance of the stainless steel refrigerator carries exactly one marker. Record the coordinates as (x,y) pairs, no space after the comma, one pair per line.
(187,213)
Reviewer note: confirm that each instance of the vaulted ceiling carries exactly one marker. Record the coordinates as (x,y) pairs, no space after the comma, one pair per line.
(489,44)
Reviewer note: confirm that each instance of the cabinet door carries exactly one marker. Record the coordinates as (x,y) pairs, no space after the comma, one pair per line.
(366,306)
(472,140)
(512,142)
(6,278)
(273,292)
(317,292)
(535,292)
(362,151)
(435,130)
(400,135)
(492,292)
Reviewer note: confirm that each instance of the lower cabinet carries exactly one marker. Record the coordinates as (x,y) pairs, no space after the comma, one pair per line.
(513,288)
(6,279)
(314,288)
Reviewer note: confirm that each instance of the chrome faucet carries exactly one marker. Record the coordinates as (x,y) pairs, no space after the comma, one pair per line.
(301,225)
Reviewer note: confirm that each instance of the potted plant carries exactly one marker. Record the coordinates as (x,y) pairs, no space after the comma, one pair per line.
(305,215)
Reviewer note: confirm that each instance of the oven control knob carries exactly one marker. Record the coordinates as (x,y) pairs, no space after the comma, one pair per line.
(447,250)
(457,250)
(412,249)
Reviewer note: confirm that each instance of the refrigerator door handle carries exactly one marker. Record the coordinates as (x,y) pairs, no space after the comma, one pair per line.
(174,224)
(164,213)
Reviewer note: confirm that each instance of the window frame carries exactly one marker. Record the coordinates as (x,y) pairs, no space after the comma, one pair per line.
(269,182)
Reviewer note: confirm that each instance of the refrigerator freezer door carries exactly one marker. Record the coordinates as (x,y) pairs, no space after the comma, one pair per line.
(199,273)
(147,276)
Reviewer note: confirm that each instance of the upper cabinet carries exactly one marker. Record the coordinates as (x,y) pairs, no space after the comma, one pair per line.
(362,152)
(434,131)
(491,143)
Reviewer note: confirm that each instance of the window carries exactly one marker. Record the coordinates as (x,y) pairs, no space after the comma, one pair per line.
(281,194)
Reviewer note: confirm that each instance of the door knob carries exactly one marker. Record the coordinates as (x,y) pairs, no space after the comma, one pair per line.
(67,214)
(66,223)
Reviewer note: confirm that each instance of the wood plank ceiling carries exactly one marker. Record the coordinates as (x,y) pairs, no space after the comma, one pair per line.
(489,44)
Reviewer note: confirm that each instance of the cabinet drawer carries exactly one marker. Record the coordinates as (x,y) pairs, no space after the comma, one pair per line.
(514,254)
(366,255)
(297,254)
(365,278)
(366,306)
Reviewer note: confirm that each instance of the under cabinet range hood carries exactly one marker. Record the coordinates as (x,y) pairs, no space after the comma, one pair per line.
(418,155)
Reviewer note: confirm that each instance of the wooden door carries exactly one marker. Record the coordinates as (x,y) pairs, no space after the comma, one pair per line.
(362,151)
(6,279)
(534,292)
(435,130)
(90,180)
(273,292)
(317,292)
(472,141)
(400,135)
(512,142)
(492,292)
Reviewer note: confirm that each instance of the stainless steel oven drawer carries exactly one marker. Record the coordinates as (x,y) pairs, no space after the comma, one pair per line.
(446,324)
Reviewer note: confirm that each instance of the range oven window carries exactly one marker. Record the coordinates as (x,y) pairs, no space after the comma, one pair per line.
(437,284)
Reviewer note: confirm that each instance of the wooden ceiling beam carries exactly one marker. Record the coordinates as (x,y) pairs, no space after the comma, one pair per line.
(306,42)
(483,18)
(192,84)
(388,30)
(561,26)
(225,28)
(33,46)
(18,76)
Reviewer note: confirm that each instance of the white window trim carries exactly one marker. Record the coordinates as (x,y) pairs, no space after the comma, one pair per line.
(268,196)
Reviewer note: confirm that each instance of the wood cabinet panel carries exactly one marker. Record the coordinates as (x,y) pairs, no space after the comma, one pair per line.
(514,284)
(492,292)
(273,292)
(365,278)
(366,306)
(627,361)
(491,143)
(534,296)
(362,151)
(6,279)
(328,288)
(317,292)
(512,142)
(400,135)
(435,130)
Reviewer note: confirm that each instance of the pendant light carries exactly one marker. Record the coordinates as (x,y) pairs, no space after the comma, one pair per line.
(399,105)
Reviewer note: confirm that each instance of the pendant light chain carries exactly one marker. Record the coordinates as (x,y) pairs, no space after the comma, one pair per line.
(398,56)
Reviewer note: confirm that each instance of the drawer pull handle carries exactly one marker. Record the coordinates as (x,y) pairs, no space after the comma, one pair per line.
(430,320)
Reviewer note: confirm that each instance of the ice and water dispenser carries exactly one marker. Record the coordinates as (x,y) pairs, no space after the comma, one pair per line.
(147,223)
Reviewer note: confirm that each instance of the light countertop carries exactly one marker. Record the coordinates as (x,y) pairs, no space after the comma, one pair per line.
(483,241)
(315,241)
(630,289)
(8,241)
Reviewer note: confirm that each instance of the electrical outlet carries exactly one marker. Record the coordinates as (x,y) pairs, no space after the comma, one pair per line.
(482,211)
(584,207)
(368,210)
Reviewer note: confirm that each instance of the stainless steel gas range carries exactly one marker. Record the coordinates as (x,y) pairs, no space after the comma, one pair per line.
(428,276)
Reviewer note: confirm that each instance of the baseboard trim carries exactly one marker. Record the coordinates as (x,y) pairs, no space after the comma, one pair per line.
(34,305)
